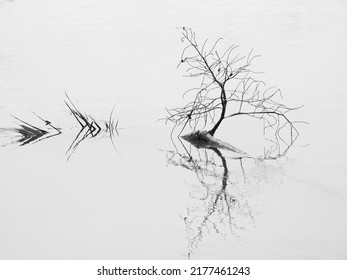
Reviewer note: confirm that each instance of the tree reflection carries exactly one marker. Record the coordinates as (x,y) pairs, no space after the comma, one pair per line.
(218,202)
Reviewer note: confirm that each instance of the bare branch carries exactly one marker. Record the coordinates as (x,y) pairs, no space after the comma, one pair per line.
(228,79)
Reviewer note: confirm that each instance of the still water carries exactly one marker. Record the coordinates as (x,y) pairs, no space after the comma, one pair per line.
(138,197)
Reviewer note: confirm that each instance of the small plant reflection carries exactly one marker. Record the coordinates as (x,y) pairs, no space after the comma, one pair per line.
(27,133)
(219,202)
(90,128)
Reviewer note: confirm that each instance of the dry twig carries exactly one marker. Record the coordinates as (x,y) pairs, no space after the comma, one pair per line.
(226,79)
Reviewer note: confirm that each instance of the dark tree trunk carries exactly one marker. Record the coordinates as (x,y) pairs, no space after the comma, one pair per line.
(222,115)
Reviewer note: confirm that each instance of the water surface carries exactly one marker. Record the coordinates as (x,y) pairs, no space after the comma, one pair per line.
(146,201)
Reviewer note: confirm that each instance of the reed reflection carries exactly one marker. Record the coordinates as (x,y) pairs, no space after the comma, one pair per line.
(90,127)
(25,132)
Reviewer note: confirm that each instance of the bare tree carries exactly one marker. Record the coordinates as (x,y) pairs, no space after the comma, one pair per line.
(228,89)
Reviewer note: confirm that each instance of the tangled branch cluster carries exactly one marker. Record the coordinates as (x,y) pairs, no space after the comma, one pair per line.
(227,89)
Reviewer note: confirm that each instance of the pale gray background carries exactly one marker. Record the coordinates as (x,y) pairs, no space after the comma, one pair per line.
(103,205)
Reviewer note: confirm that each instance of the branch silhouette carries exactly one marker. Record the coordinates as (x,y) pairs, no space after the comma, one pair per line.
(228,88)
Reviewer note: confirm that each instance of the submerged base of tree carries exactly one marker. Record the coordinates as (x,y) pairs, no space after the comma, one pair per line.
(203,139)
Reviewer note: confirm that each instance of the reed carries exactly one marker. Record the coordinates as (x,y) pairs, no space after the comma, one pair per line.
(29,133)
(90,127)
